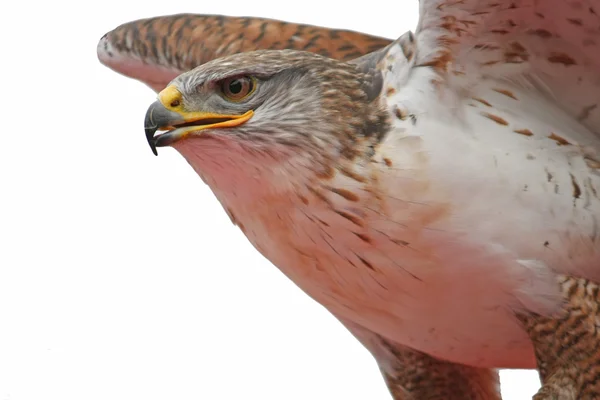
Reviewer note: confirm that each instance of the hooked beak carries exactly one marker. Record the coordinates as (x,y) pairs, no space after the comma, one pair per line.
(167,114)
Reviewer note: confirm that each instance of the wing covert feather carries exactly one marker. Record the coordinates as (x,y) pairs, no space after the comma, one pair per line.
(156,50)
(553,44)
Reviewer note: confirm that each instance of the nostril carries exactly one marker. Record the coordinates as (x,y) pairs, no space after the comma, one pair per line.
(175,103)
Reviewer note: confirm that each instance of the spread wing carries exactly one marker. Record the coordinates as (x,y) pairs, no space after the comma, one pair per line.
(498,103)
(156,50)
(553,45)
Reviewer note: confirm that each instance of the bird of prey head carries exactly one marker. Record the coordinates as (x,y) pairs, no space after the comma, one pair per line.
(279,103)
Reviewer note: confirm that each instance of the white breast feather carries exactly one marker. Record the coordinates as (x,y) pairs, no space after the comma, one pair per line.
(507,120)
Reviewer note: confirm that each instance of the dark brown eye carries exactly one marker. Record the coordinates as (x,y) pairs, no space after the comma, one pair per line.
(236,89)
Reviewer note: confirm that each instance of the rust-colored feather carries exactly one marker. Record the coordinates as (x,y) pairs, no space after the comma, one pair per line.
(178,43)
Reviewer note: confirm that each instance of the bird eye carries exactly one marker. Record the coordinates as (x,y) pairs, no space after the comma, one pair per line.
(237,89)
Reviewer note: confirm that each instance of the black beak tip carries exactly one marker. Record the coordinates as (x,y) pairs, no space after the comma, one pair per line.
(151,141)
(153,147)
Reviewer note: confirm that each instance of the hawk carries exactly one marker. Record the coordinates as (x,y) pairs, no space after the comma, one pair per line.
(439,195)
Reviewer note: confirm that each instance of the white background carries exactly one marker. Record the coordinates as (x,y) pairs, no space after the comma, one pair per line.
(120,275)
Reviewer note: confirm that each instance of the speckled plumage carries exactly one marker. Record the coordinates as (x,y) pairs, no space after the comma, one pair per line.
(156,50)
(567,344)
(440,213)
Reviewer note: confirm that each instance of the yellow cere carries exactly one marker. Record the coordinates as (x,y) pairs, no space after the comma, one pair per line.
(170,97)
